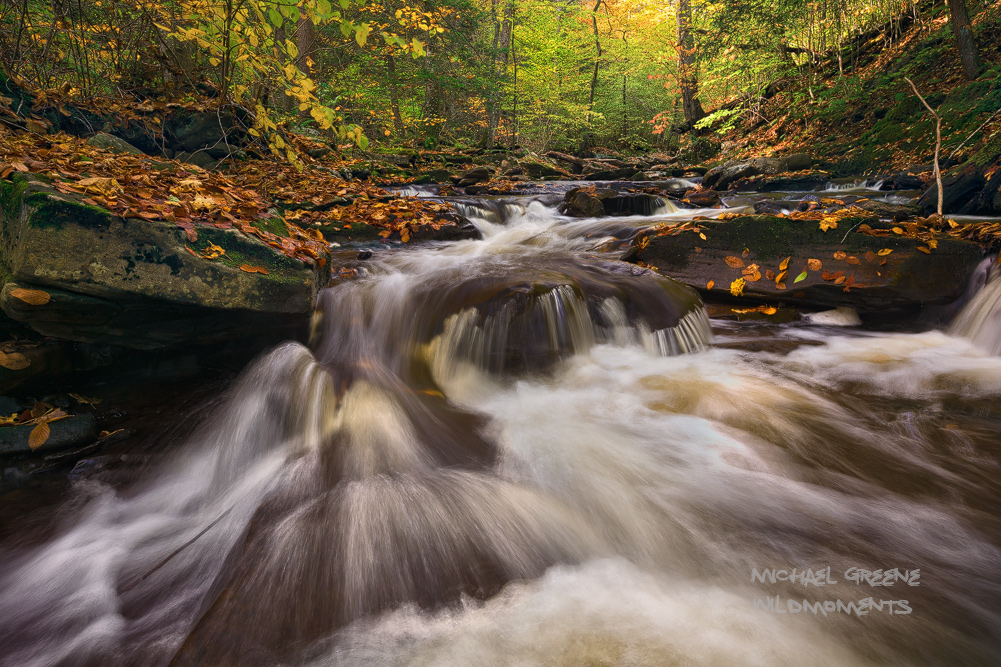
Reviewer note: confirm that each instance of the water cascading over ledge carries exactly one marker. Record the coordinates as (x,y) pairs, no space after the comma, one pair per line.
(391,494)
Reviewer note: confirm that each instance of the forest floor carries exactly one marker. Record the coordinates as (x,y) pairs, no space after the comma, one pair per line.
(864,118)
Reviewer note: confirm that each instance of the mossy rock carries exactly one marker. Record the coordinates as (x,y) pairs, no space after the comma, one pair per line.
(121,279)
(907,280)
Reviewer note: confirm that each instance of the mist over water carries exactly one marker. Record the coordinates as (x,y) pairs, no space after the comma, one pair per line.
(508,452)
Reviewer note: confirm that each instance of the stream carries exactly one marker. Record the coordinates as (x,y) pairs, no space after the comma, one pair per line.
(515,451)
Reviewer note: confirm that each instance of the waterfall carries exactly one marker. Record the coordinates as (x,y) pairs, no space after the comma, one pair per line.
(980,319)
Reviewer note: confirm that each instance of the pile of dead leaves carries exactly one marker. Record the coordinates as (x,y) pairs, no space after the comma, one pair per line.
(188,196)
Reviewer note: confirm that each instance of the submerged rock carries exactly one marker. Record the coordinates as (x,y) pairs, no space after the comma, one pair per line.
(80,273)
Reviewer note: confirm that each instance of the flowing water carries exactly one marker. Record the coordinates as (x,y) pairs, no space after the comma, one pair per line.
(513,451)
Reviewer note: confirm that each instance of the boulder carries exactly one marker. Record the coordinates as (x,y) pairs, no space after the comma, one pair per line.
(112,143)
(540,169)
(702,198)
(202,130)
(78,272)
(903,281)
(719,178)
(474,175)
(961,193)
(585,202)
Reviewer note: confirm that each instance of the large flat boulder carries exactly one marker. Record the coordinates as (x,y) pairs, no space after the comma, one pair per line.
(79,272)
(843,267)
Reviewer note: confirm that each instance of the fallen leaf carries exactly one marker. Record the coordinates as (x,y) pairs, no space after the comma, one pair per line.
(747,251)
(801,277)
(253,269)
(924,249)
(898,230)
(38,436)
(853,260)
(85,400)
(784,264)
(769,274)
(737,287)
(870,256)
(839,280)
(782,276)
(780,285)
(734,262)
(814,264)
(710,284)
(14,361)
(32,297)
(840,255)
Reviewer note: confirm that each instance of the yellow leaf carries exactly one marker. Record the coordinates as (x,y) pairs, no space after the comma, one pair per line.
(924,249)
(33,297)
(38,436)
(737,287)
(784,264)
(898,230)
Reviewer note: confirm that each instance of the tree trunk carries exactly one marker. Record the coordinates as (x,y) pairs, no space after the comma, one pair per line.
(502,51)
(964,38)
(597,61)
(686,64)
(394,95)
(305,41)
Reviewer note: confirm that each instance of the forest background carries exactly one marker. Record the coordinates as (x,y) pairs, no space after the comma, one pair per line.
(544,75)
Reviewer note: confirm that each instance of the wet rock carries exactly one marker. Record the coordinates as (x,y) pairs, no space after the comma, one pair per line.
(80,273)
(902,181)
(772,207)
(63,433)
(584,203)
(702,198)
(112,143)
(961,193)
(903,281)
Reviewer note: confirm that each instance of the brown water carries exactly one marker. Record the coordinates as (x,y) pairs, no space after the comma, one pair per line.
(503,452)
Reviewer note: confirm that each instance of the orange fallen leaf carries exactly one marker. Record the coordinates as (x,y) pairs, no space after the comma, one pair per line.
(710,284)
(924,249)
(870,256)
(734,262)
(784,264)
(14,361)
(814,264)
(853,260)
(840,255)
(32,297)
(253,269)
